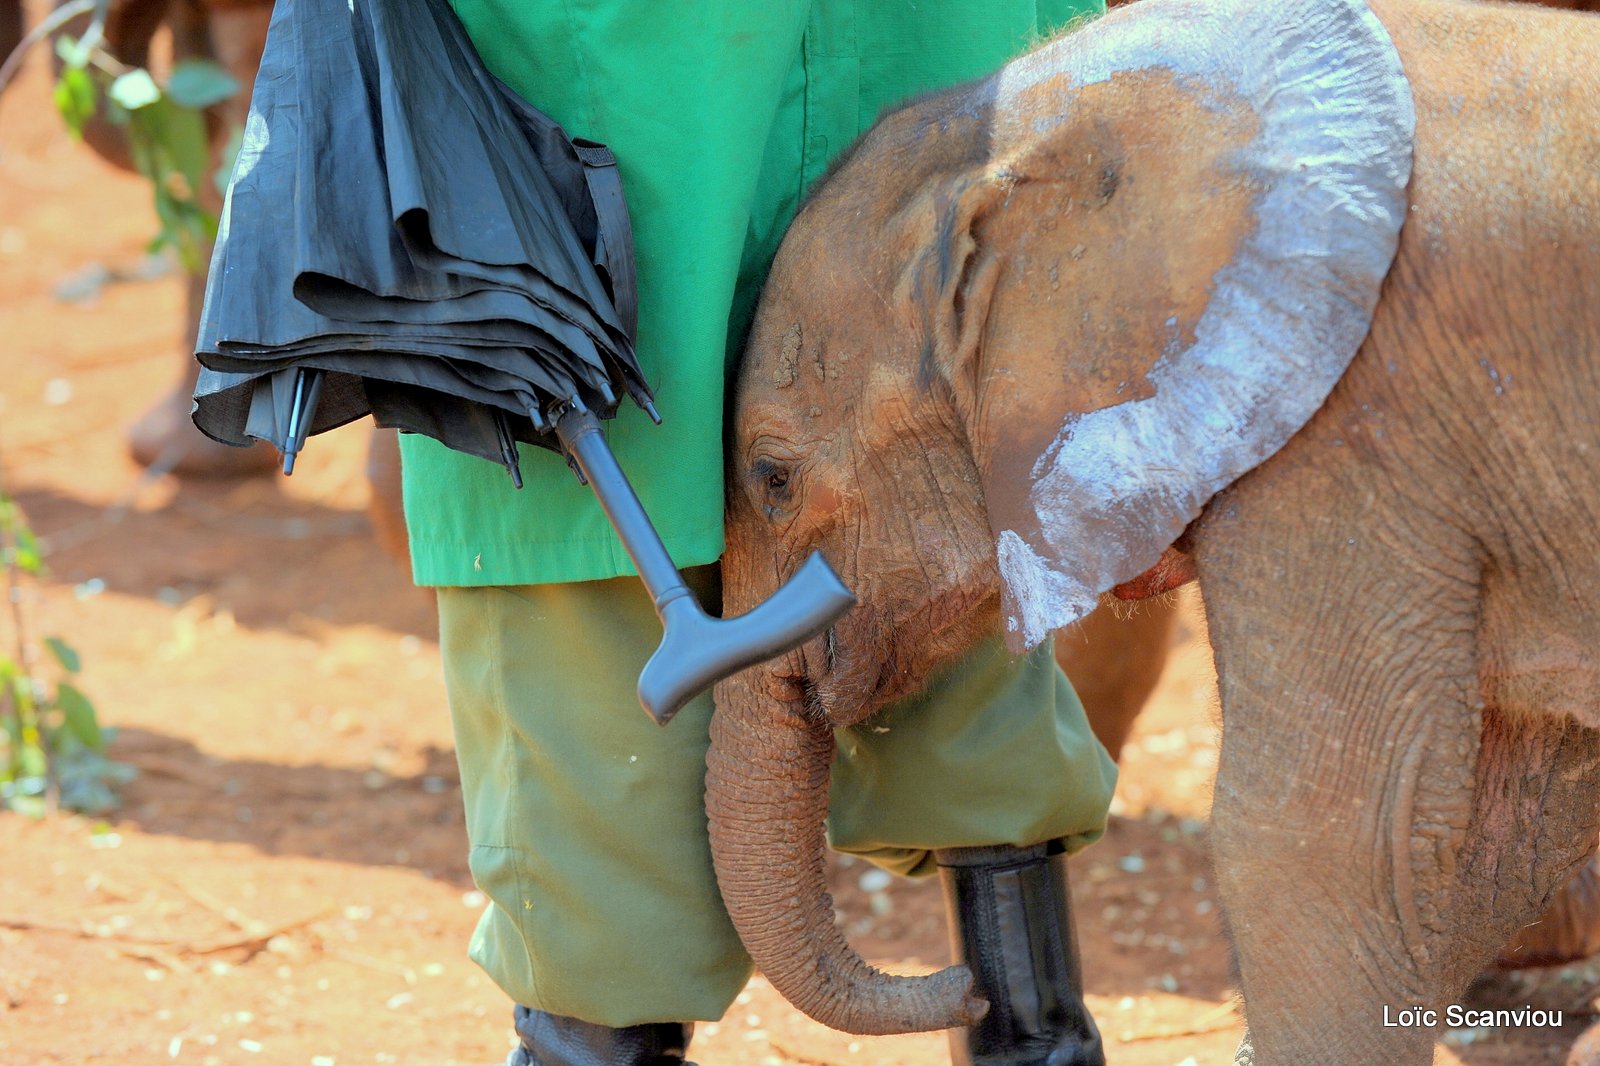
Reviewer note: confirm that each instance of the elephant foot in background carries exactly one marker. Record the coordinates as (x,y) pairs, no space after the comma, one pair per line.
(164,438)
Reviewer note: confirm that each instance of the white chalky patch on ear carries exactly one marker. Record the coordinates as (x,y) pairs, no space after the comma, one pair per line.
(1045,599)
(1286,316)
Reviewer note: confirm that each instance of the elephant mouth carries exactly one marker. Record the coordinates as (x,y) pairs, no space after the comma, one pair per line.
(879,659)
(855,685)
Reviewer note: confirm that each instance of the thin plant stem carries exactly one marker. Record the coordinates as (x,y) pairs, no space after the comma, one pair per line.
(23,695)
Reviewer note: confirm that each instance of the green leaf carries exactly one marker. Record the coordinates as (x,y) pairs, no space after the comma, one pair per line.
(80,716)
(31,762)
(65,654)
(135,89)
(28,806)
(24,552)
(75,94)
(169,148)
(199,83)
(183,136)
(22,689)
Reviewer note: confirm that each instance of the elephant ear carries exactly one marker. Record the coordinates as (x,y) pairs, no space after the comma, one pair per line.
(1172,254)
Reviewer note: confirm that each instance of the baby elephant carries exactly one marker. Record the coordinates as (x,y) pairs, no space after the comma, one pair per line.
(1298,296)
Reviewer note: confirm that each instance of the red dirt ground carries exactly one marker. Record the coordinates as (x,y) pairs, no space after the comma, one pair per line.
(286,881)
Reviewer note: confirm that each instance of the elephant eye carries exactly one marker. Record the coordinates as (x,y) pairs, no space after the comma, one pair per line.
(773,477)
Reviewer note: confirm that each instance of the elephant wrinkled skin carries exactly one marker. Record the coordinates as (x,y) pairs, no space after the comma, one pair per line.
(1040,330)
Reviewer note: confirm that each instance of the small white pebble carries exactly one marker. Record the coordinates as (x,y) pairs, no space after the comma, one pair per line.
(252,1046)
(57,391)
(473,898)
(322,1060)
(1133,864)
(398,1000)
(1125,1003)
(875,880)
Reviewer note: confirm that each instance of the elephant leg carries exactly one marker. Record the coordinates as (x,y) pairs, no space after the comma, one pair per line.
(1568,931)
(163,434)
(11,23)
(1340,795)
(1378,832)
(1534,819)
(1114,663)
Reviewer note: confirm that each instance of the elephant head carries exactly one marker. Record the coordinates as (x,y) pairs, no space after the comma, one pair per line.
(1005,355)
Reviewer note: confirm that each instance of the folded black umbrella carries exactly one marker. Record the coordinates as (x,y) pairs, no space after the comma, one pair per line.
(401,204)
(404,237)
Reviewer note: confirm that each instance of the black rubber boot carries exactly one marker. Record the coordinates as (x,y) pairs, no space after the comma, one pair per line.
(551,1040)
(1011,923)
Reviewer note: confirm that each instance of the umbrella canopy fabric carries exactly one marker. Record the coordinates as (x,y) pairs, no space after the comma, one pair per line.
(405,237)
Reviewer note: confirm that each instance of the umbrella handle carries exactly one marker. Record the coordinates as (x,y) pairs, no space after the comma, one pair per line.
(696,650)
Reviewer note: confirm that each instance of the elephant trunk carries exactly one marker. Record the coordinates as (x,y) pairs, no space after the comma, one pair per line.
(766,799)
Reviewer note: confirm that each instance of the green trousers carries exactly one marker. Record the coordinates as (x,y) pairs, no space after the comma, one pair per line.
(586,822)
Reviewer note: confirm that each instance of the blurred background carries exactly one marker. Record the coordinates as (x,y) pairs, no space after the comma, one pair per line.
(247,846)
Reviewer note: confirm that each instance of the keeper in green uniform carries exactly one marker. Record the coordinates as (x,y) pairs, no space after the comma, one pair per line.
(586,821)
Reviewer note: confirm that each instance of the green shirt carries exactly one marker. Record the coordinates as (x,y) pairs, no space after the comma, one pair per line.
(721,113)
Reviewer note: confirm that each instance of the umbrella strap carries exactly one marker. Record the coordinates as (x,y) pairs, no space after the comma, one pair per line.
(614,244)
